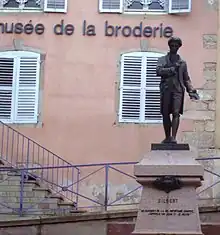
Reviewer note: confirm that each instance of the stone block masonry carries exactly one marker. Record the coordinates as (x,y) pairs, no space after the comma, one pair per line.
(203,115)
(202,112)
(210,41)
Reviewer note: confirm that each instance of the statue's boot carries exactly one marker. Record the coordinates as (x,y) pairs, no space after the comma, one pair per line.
(166,140)
(173,140)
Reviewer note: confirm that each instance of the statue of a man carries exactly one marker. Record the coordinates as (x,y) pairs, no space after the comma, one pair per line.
(174,79)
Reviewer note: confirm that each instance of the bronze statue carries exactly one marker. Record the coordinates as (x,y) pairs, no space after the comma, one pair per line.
(174,79)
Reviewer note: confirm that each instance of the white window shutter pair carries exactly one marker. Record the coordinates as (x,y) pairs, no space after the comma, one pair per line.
(19,86)
(139,88)
(172,6)
(59,6)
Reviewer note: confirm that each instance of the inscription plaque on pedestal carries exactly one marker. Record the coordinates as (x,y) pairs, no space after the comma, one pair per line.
(173,213)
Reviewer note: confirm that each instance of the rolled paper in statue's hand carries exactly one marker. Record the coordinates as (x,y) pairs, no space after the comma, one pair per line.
(194,95)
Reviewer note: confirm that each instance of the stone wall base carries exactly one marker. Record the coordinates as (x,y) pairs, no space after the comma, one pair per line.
(107,223)
(127,229)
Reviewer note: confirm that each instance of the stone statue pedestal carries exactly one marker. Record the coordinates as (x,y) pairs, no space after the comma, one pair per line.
(168,204)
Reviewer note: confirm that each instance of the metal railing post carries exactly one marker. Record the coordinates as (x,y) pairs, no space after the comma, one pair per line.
(21,193)
(77,187)
(28,148)
(106,187)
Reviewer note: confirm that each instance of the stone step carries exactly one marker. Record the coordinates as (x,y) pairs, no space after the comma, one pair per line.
(17,173)
(28,194)
(4,173)
(7,183)
(17,205)
(77,211)
(9,200)
(5,210)
(15,182)
(41,189)
(37,212)
(37,196)
(8,217)
(15,188)
(14,172)
(39,204)
(33,182)
(59,197)
(13,177)
(49,193)
(67,205)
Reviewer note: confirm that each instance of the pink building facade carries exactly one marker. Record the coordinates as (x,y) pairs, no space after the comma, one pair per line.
(79,77)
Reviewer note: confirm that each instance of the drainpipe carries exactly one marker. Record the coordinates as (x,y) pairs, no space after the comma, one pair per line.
(217,114)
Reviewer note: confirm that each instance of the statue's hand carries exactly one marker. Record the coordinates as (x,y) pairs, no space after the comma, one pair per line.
(194,95)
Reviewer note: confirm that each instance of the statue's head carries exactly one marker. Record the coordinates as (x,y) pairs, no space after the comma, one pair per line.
(174,44)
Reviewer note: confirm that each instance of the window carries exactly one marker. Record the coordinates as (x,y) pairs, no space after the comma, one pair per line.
(169,6)
(19,86)
(143,5)
(139,88)
(43,5)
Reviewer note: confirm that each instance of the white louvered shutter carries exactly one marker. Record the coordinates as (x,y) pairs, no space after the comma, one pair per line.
(111,6)
(130,88)
(59,6)
(27,89)
(6,88)
(179,6)
(139,88)
(152,98)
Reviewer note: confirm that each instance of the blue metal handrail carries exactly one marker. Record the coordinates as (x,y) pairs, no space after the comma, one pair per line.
(20,151)
(72,188)
(107,167)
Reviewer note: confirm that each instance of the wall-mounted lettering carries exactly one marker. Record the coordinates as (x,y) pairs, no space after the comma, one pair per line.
(19,28)
(61,29)
(68,29)
(138,30)
(88,30)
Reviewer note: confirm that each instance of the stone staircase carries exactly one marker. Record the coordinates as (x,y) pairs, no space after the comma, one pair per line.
(30,197)
(34,180)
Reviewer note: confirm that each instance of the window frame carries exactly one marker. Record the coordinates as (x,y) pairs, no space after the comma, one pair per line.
(15,86)
(43,8)
(142,118)
(144,10)
(168,9)
(24,9)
